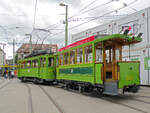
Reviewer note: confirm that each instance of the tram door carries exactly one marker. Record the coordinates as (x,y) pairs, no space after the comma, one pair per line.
(111,54)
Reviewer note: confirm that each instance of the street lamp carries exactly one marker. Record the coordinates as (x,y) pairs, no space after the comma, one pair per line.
(30,41)
(66,28)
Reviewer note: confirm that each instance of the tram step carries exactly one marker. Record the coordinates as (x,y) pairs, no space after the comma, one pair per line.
(110,88)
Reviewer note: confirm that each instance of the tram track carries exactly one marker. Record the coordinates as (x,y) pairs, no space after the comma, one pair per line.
(143,96)
(122,104)
(30,102)
(109,99)
(135,99)
(103,97)
(52,100)
(3,84)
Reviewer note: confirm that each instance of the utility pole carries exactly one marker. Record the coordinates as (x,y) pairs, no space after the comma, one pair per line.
(13,51)
(14,45)
(66,33)
(30,41)
(66,27)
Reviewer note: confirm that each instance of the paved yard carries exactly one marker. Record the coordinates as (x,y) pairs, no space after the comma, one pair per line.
(17,97)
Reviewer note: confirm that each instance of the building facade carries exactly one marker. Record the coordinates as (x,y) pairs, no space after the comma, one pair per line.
(2,57)
(25,49)
(139,23)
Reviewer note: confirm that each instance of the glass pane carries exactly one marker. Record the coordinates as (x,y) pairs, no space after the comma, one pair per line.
(99,55)
(72,57)
(66,58)
(88,54)
(79,55)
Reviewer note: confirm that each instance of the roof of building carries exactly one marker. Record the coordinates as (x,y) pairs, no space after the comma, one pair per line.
(25,48)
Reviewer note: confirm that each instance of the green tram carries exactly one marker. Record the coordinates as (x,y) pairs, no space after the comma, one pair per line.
(95,63)
(37,67)
(98,64)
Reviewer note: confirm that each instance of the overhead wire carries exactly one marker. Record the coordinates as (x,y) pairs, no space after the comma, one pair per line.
(78,13)
(95,7)
(93,19)
(128,6)
(83,8)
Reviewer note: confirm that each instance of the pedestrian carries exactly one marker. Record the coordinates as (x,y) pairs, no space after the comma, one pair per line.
(9,74)
(5,74)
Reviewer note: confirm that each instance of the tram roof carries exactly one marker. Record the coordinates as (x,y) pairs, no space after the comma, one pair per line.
(120,38)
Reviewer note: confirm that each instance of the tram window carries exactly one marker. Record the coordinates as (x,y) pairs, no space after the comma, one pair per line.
(28,64)
(72,57)
(88,54)
(40,62)
(117,54)
(109,56)
(57,61)
(44,62)
(61,59)
(66,58)
(79,55)
(50,61)
(24,65)
(34,63)
(99,55)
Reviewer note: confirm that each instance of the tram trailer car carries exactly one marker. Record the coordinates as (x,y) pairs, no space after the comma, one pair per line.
(92,63)
(98,64)
(40,68)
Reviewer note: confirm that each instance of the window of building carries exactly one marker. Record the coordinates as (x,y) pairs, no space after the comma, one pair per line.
(80,55)
(66,58)
(72,57)
(88,54)
(50,61)
(61,59)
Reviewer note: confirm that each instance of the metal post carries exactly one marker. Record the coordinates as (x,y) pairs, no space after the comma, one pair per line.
(30,43)
(66,29)
(3,55)
(148,36)
(13,51)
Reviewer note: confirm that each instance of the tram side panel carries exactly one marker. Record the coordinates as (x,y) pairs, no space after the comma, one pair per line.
(128,74)
(80,73)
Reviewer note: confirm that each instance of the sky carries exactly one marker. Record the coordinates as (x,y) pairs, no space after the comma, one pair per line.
(44,19)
